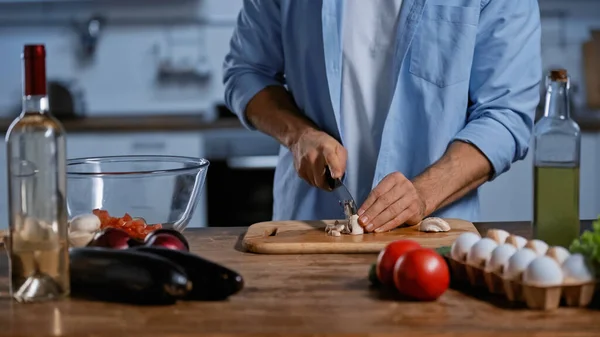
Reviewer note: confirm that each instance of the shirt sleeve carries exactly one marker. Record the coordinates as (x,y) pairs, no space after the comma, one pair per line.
(255,58)
(504,84)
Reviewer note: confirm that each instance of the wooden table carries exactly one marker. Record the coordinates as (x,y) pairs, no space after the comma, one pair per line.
(320,295)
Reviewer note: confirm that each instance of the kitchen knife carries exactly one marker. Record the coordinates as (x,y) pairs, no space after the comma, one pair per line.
(346,200)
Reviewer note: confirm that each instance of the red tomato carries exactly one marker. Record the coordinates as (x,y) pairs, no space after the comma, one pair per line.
(389,255)
(421,274)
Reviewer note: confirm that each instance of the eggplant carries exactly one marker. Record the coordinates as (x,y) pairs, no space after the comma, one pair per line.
(126,276)
(210,281)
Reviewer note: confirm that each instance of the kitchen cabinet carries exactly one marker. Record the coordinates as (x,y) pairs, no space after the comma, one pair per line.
(510,196)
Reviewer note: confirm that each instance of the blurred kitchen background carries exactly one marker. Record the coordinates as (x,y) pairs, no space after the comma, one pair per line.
(144,77)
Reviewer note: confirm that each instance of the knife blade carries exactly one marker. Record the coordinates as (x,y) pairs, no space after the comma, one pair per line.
(346,199)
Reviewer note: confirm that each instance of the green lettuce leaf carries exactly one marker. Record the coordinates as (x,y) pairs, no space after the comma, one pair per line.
(588,244)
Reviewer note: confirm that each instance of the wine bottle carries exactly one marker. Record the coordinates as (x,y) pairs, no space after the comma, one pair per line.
(38,249)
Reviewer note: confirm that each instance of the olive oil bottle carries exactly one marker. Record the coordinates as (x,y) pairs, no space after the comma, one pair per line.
(556,166)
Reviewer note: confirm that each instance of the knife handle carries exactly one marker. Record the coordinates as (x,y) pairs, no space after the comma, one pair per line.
(331,182)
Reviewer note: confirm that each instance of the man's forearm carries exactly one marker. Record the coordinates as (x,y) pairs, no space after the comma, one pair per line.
(460,170)
(274,112)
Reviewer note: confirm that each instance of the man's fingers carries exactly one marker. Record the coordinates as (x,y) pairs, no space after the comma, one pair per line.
(336,160)
(381,204)
(305,170)
(318,173)
(398,220)
(390,212)
(384,186)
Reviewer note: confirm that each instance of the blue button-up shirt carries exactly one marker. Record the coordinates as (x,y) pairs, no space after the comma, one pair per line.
(464,70)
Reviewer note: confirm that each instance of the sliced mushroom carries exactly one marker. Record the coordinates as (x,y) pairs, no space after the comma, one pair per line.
(434,224)
(355,228)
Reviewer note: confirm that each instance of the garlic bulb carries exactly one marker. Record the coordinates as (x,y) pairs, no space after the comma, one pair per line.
(80,238)
(84,223)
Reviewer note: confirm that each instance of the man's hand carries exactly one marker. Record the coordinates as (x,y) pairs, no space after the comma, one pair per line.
(314,150)
(393,202)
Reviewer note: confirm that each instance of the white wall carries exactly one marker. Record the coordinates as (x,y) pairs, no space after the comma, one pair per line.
(563,37)
(121,77)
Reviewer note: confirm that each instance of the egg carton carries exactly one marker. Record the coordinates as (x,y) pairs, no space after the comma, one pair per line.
(535,297)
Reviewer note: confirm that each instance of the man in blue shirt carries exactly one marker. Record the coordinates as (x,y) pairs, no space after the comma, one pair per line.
(415,102)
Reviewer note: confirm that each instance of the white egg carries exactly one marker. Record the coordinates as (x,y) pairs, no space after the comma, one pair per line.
(481,252)
(517,263)
(498,235)
(517,241)
(461,246)
(499,258)
(577,270)
(85,223)
(558,253)
(538,246)
(543,271)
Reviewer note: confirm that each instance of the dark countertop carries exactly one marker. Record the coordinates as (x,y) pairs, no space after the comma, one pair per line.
(291,295)
(140,123)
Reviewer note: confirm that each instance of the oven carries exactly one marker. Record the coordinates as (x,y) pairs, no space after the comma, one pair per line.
(239,183)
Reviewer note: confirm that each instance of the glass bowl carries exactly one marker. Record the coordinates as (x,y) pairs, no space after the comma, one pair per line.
(159,189)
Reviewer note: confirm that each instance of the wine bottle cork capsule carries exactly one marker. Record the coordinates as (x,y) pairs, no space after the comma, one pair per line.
(558,75)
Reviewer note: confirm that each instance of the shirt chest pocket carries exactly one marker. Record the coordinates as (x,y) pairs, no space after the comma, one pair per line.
(443,45)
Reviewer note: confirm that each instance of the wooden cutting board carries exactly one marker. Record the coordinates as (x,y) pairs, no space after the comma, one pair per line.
(309,237)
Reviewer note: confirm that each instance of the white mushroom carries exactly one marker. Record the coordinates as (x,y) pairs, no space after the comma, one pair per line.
(85,223)
(335,233)
(498,235)
(434,224)
(558,253)
(355,228)
(577,270)
(538,246)
(543,271)
(517,241)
